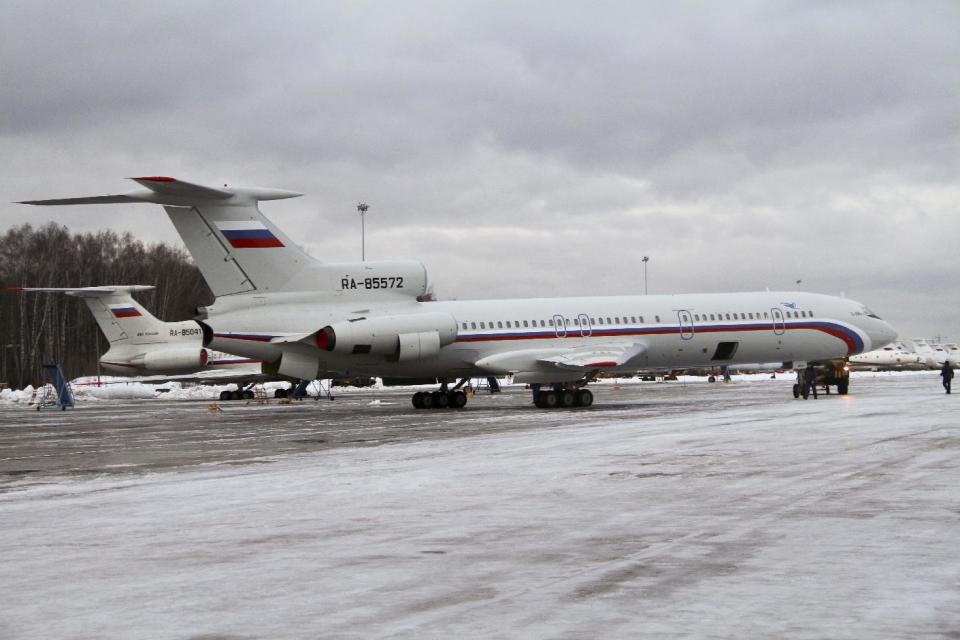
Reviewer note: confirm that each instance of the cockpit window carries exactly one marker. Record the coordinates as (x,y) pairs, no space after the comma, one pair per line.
(871,314)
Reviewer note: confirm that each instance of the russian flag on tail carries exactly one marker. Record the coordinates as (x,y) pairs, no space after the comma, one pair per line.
(248,234)
(125,312)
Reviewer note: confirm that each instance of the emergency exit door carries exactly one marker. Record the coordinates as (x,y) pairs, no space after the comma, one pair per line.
(686,324)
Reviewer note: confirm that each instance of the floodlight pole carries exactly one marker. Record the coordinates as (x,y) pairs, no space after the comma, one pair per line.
(645,260)
(362,210)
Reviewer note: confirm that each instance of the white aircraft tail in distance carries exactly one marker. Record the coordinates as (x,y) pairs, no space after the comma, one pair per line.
(141,344)
(276,304)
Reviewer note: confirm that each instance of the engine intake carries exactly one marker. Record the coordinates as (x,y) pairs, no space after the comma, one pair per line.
(407,337)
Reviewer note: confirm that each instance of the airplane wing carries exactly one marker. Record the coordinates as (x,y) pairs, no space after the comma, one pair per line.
(595,357)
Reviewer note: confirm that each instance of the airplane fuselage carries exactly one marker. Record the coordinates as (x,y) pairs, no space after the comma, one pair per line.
(684,330)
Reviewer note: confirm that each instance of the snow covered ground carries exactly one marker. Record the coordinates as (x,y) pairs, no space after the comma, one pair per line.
(667,510)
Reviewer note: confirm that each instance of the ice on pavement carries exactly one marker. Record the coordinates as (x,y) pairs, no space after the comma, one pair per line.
(697,511)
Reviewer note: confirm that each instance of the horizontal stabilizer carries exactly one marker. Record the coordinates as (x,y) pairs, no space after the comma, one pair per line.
(177,193)
(172,186)
(85,200)
(84,292)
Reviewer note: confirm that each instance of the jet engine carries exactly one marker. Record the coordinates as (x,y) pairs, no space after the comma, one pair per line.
(407,337)
(173,359)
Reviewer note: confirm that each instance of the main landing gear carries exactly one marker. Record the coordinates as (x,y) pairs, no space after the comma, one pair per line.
(242,393)
(444,398)
(561,396)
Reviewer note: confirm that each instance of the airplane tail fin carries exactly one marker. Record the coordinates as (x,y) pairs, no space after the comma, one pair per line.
(236,247)
(119,316)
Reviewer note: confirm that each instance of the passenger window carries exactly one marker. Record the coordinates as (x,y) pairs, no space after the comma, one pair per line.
(766,315)
(751,316)
(657,318)
(641,319)
(633,319)
(811,314)
(542,323)
(549,322)
(508,324)
(728,316)
(499,324)
(608,321)
(525,323)
(483,325)
(593,321)
(576,322)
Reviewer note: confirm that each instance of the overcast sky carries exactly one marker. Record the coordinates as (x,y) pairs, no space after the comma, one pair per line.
(522,149)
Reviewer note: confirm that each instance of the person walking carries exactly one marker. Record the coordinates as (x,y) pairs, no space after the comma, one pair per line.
(947,374)
(809,382)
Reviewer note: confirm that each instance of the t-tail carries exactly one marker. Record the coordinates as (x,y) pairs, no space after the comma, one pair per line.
(121,318)
(236,247)
(240,251)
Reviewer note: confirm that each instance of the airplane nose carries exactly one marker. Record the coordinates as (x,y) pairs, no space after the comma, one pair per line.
(882,334)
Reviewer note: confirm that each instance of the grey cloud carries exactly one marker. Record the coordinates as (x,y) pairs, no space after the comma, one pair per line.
(742,145)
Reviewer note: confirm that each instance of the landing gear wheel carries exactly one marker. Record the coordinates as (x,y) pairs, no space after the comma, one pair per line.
(549,399)
(426,400)
(235,395)
(796,391)
(567,398)
(584,398)
(843,387)
(224,396)
(457,400)
(248,394)
(280,393)
(417,400)
(440,399)
(712,379)
(538,400)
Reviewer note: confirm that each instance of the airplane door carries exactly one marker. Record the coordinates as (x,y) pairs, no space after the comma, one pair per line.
(778,323)
(585,328)
(560,326)
(686,324)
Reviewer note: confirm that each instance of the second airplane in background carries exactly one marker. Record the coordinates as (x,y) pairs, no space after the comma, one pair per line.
(143,346)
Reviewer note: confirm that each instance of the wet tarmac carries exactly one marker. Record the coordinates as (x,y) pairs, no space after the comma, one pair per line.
(697,511)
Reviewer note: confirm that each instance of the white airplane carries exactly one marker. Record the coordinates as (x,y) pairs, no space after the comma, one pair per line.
(277,304)
(889,357)
(141,345)
(953,353)
(925,351)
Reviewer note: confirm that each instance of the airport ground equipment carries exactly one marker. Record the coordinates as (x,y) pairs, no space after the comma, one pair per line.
(828,373)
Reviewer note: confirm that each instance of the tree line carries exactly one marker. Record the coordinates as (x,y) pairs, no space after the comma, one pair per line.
(38,328)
